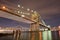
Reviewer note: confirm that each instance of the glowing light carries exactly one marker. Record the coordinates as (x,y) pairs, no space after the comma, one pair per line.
(59,26)
(22,15)
(42,29)
(44,35)
(31,10)
(29,29)
(4,7)
(35,12)
(28,9)
(48,26)
(18,5)
(18,11)
(46,29)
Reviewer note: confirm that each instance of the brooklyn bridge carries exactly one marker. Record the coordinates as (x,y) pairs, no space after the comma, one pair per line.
(38,29)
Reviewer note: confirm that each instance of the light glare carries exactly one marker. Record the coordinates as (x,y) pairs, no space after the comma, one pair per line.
(3,7)
(22,15)
(31,10)
(18,5)
(28,9)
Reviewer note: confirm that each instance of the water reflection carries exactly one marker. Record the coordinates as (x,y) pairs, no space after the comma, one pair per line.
(6,37)
(44,35)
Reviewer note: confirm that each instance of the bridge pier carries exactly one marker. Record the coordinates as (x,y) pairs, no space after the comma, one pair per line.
(16,35)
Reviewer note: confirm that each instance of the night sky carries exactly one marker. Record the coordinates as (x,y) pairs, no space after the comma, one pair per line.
(48,9)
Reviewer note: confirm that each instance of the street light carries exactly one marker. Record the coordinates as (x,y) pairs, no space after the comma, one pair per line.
(35,12)
(46,29)
(28,9)
(22,15)
(59,26)
(3,7)
(31,10)
(19,6)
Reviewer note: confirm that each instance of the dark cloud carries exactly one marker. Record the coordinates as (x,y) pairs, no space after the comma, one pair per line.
(53,20)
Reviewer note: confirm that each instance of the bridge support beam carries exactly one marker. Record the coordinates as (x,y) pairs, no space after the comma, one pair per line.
(34,31)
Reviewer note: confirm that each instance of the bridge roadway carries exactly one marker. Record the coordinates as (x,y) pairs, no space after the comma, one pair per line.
(2,8)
